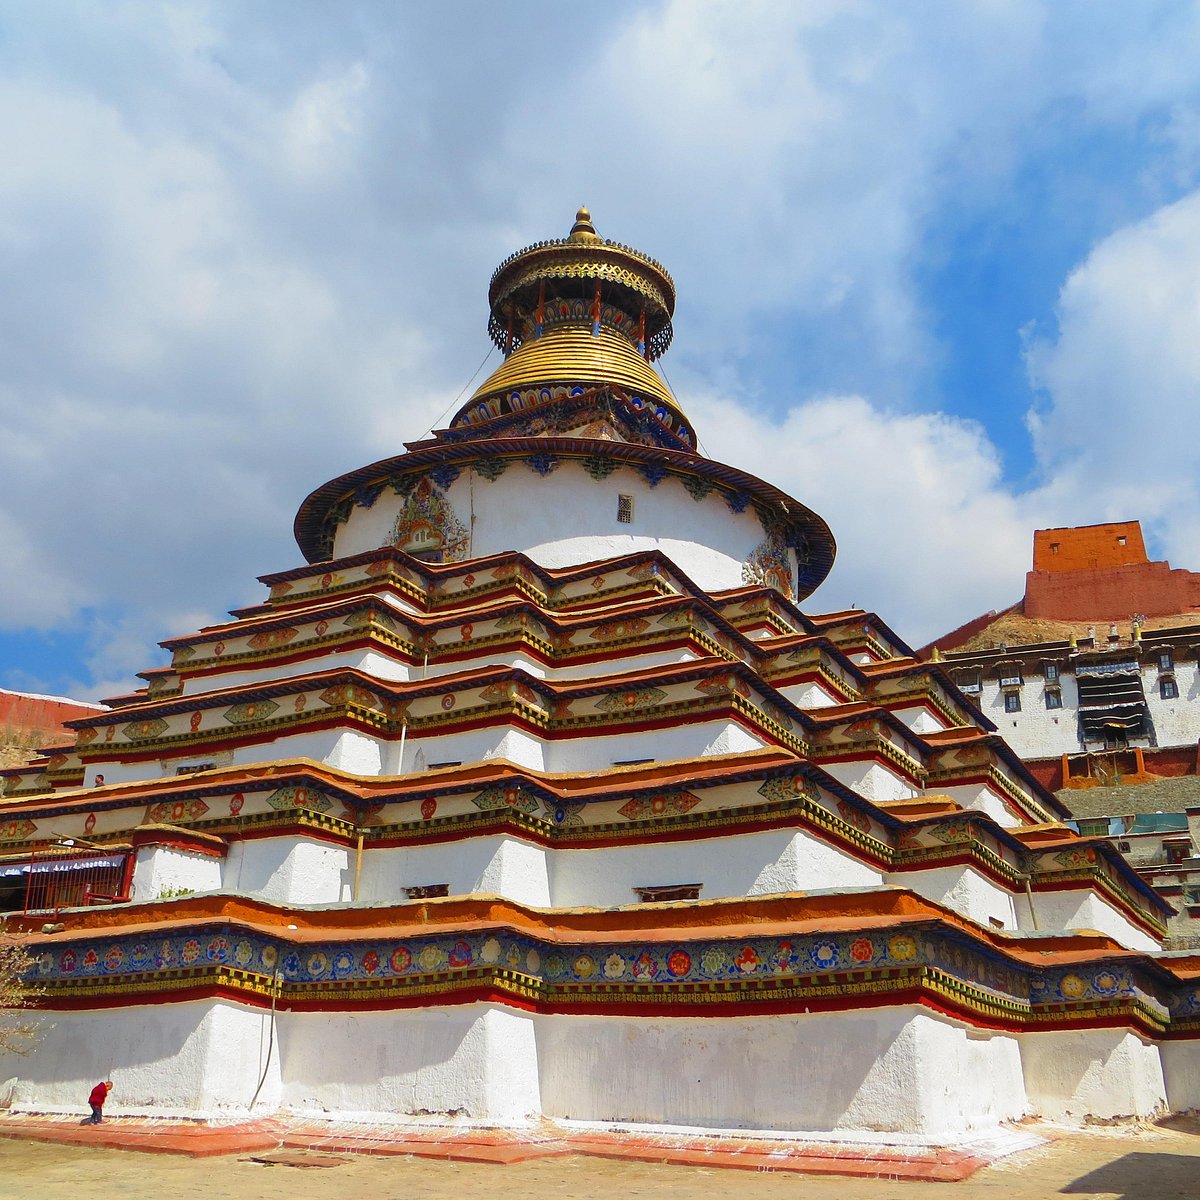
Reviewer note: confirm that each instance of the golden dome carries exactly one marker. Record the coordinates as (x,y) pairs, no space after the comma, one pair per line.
(571,355)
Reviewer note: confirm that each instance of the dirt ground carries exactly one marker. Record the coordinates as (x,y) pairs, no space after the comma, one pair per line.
(1149,1163)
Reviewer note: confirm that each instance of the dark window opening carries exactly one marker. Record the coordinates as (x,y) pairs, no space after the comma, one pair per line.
(661,893)
(427,891)
(1166,661)
(1012,702)
(1052,672)
(1053,698)
(1177,851)
(1168,689)
(625,509)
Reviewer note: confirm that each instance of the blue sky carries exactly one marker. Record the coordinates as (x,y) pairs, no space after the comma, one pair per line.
(938,271)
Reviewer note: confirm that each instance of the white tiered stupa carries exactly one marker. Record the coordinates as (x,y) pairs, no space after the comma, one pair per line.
(534,793)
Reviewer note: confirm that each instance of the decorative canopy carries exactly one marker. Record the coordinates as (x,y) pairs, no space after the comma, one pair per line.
(581,267)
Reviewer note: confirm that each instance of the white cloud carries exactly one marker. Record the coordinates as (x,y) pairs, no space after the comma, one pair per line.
(252,245)
(928,534)
(1120,423)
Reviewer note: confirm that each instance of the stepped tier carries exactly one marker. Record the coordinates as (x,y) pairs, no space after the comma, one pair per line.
(534,792)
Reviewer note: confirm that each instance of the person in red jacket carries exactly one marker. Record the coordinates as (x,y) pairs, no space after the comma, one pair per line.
(97,1099)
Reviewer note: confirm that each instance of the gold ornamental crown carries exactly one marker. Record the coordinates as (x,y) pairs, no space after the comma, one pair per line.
(580,267)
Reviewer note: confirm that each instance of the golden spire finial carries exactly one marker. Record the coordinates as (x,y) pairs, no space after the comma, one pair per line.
(583,230)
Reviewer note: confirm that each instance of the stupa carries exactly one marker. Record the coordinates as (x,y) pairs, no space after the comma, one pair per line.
(533,793)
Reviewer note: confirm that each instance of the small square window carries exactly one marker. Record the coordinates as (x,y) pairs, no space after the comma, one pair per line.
(1053,698)
(1054,547)
(1121,540)
(1052,672)
(1166,661)
(625,509)
(1168,689)
(1012,702)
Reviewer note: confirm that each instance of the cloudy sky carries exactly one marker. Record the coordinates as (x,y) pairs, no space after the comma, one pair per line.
(938,269)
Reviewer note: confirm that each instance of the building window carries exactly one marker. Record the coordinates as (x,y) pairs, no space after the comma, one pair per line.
(1094,827)
(1168,689)
(970,680)
(1012,702)
(1166,660)
(1053,698)
(1177,851)
(625,509)
(1054,547)
(1120,539)
(664,893)
(1052,672)
(427,891)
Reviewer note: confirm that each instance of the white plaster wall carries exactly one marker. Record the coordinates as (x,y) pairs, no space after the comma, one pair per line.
(871,780)
(158,869)
(500,866)
(199,1058)
(290,870)
(1036,731)
(1181,1072)
(380,666)
(919,719)
(577,755)
(885,1069)
(470,1060)
(1103,1073)
(742,865)
(981,798)
(1176,722)
(1069,909)
(739,865)
(809,695)
(568,518)
(964,890)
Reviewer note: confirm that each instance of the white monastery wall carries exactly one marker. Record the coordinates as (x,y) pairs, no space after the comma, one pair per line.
(1181,1073)
(981,797)
(885,1069)
(1104,1073)
(196,1058)
(872,780)
(896,1070)
(1177,721)
(1040,732)
(920,719)
(159,869)
(377,665)
(964,890)
(472,1060)
(1070,909)
(809,695)
(290,871)
(743,865)
(568,518)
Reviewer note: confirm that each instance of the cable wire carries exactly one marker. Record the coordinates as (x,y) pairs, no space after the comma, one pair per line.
(462,392)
